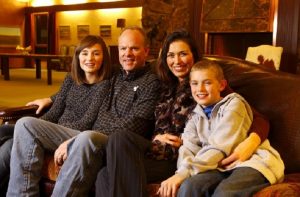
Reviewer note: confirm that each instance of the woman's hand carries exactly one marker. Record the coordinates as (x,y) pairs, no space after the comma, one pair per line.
(167,138)
(60,154)
(41,103)
(242,152)
(169,187)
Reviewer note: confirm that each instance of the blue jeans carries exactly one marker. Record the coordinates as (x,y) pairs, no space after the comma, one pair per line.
(6,135)
(86,155)
(32,137)
(238,182)
(6,132)
(5,151)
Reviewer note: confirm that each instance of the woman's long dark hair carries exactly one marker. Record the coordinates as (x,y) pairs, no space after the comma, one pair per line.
(162,69)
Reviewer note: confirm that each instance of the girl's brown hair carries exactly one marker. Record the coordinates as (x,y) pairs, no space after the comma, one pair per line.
(105,70)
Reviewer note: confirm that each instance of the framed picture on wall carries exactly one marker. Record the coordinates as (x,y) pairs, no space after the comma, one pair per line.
(82,30)
(64,32)
(105,30)
(10,36)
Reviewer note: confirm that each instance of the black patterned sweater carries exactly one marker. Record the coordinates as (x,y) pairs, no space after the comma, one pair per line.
(171,114)
(76,106)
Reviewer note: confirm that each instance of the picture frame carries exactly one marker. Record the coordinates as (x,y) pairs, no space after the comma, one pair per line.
(105,30)
(64,32)
(82,31)
(10,36)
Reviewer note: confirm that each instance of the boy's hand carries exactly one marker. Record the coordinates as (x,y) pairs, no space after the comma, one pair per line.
(167,138)
(169,187)
(242,152)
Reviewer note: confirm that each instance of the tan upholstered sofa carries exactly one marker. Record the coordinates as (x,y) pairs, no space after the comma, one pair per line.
(273,93)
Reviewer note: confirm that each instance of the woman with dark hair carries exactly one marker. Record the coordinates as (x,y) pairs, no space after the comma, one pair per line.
(75,108)
(133,161)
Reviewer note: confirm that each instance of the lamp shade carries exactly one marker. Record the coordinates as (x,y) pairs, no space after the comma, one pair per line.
(121,22)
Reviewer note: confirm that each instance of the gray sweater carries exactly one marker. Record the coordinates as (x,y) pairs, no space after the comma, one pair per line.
(207,141)
(76,106)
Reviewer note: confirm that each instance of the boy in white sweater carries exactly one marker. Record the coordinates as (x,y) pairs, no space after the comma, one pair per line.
(215,128)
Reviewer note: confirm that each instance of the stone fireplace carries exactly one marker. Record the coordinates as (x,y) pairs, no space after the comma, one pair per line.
(235,44)
(231,26)
(161,17)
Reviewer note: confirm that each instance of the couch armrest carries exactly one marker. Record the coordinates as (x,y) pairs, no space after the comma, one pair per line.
(12,114)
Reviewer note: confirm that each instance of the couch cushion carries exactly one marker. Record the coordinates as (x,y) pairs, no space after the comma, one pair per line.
(279,190)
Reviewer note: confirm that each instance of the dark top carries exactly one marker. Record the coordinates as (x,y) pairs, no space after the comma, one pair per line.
(130,104)
(76,106)
(171,113)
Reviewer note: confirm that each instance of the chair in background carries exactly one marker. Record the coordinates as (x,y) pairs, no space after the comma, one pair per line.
(71,50)
(60,64)
(68,63)
(266,55)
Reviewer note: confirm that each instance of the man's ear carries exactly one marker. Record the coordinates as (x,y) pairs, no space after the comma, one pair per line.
(223,84)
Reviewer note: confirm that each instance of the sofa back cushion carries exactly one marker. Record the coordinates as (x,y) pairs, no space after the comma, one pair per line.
(276,95)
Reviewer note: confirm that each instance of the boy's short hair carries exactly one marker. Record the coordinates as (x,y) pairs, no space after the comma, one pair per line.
(209,64)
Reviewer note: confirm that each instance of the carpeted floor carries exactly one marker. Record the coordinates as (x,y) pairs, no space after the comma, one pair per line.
(24,87)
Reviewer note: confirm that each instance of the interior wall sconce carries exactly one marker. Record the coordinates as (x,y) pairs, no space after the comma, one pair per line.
(121,23)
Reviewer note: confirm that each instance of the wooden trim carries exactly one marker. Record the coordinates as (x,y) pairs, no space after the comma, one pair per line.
(85,6)
(287,33)
(195,24)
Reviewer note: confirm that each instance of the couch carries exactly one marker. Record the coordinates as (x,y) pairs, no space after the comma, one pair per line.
(274,93)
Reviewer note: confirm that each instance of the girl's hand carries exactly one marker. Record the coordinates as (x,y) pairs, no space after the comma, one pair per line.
(167,138)
(41,103)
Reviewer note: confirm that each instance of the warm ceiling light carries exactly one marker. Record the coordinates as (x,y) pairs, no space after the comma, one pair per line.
(38,3)
(109,0)
(26,1)
(68,2)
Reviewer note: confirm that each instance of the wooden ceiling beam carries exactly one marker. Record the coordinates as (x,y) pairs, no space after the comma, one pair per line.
(85,6)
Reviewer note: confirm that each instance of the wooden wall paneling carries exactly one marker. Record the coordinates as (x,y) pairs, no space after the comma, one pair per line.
(196,9)
(27,37)
(287,33)
(41,32)
(52,33)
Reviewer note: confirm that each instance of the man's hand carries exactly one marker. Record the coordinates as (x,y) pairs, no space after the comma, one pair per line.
(242,152)
(41,103)
(60,154)
(167,138)
(169,187)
